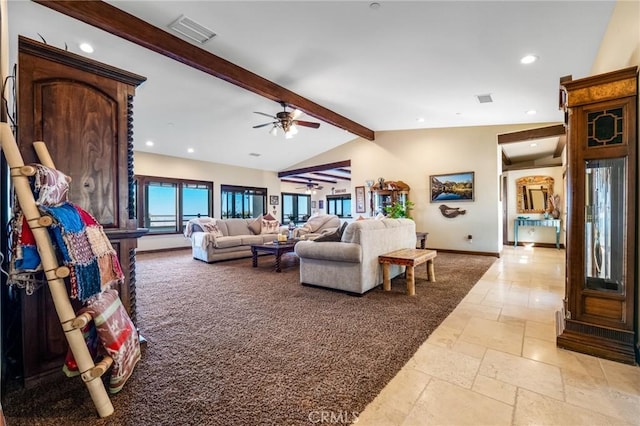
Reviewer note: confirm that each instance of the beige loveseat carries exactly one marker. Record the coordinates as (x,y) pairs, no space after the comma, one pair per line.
(352,264)
(213,240)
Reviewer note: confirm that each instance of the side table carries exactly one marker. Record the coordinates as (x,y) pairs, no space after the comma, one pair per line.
(421,237)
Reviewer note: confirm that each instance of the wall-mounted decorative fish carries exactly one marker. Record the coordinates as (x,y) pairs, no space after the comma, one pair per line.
(451,212)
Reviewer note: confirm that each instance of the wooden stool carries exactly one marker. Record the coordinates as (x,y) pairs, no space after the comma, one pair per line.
(409,258)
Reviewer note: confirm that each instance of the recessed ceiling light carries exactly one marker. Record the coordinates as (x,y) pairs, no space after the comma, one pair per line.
(420,119)
(533,145)
(86,47)
(149,143)
(374,6)
(190,150)
(532,112)
(529,59)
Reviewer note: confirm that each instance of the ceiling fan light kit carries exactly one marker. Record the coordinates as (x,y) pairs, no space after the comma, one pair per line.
(287,121)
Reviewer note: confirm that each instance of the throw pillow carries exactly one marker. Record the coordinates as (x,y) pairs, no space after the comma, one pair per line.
(268,216)
(379,216)
(212,228)
(270,226)
(333,236)
(256,225)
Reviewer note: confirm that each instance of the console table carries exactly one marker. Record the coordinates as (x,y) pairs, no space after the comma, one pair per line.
(553,223)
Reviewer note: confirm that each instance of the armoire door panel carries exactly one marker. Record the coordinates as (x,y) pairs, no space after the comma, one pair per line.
(78,123)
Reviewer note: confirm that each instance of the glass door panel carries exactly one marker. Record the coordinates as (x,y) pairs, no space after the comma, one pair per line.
(604,224)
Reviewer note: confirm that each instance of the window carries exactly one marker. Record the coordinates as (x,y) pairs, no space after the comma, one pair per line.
(165,205)
(295,207)
(340,205)
(242,201)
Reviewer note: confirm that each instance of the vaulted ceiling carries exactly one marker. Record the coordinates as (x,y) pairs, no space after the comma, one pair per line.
(390,65)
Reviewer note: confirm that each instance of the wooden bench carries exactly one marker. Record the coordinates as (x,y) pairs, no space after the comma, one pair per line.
(409,258)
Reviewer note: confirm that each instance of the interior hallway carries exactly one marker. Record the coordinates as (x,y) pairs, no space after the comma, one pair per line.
(494,360)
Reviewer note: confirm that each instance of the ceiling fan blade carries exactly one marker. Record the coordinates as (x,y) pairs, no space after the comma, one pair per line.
(262,125)
(265,114)
(307,124)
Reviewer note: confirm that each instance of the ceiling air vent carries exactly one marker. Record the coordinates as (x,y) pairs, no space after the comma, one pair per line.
(484,99)
(190,28)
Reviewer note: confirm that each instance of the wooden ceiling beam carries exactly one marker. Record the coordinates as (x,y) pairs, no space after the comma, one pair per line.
(319,168)
(329,175)
(525,135)
(115,21)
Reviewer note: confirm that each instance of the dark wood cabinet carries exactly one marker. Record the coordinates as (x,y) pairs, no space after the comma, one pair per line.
(82,110)
(601,287)
(385,193)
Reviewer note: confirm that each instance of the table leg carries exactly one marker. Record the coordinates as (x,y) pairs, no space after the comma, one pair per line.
(411,281)
(254,256)
(431,271)
(278,256)
(386,281)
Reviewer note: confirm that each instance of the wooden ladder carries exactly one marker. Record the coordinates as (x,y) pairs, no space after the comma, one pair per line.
(54,272)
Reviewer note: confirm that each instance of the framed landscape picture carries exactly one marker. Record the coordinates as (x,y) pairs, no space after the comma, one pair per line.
(360,208)
(452,187)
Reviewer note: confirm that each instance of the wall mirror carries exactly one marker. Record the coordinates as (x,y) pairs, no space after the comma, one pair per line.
(534,193)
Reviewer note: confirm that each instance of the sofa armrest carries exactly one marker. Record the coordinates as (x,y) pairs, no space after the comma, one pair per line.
(203,240)
(329,250)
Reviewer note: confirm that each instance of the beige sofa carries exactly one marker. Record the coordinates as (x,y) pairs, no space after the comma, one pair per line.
(231,240)
(352,264)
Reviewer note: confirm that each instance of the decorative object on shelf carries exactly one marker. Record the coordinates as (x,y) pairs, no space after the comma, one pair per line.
(360,200)
(274,200)
(554,206)
(385,193)
(451,212)
(452,187)
(369,183)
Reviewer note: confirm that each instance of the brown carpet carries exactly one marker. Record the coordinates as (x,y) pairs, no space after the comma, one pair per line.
(229,344)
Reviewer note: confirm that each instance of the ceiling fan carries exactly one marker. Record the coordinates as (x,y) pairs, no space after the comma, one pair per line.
(287,121)
(310,186)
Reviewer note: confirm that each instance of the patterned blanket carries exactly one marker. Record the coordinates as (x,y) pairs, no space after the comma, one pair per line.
(75,234)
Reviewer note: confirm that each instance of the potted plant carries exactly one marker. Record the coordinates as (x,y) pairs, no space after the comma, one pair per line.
(397,210)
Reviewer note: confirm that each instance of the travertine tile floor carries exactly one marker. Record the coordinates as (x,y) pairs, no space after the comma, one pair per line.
(494,360)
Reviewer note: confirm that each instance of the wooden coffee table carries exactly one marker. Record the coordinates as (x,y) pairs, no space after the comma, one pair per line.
(277,249)
(409,258)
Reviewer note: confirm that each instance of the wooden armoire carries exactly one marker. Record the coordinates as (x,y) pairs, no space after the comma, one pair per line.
(82,110)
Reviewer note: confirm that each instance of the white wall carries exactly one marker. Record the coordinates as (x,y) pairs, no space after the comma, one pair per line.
(413,155)
(533,234)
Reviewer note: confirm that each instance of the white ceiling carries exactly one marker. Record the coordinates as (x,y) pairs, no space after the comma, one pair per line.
(383,68)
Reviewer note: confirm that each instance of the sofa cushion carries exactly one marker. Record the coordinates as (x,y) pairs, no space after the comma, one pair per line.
(237,227)
(248,240)
(231,241)
(256,225)
(212,227)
